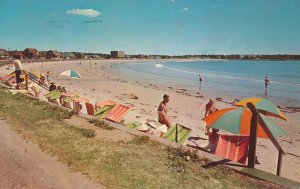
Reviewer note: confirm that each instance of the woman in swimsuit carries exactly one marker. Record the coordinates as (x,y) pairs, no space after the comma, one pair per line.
(162,110)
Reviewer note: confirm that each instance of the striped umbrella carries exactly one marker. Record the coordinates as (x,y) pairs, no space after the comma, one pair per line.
(237,120)
(264,106)
(71,73)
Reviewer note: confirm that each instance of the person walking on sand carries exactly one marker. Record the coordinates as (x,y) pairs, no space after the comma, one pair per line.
(162,110)
(18,71)
(267,82)
(200,81)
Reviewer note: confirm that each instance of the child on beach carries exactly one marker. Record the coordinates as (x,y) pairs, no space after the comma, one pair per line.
(162,110)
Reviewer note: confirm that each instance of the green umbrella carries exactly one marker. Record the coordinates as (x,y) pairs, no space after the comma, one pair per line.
(71,73)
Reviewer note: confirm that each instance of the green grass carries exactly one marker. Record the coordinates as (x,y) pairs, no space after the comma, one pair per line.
(139,163)
(101,124)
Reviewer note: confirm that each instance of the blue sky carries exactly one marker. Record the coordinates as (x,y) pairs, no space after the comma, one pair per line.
(173,27)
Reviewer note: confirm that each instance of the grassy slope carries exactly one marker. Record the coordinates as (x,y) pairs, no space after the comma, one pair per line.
(140,163)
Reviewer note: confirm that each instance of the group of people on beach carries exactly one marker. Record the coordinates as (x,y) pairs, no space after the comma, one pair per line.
(210,107)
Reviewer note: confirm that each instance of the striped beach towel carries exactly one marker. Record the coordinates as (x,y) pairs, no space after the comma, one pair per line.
(178,133)
(117,113)
(233,147)
(103,111)
(6,77)
(90,108)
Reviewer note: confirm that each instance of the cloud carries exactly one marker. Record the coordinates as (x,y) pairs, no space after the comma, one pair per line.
(184,10)
(84,12)
(91,21)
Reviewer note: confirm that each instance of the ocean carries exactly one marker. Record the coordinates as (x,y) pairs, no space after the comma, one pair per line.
(228,79)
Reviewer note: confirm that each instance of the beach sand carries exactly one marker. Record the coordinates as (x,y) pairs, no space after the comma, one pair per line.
(98,83)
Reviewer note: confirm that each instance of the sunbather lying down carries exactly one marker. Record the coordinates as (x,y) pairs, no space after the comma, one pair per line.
(162,110)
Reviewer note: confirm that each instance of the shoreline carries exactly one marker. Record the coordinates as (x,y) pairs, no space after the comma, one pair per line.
(186,109)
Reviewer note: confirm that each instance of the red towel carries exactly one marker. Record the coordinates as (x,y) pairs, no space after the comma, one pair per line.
(233,147)
(117,113)
(90,108)
(6,77)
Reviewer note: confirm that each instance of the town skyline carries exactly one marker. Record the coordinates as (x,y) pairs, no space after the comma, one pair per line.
(166,27)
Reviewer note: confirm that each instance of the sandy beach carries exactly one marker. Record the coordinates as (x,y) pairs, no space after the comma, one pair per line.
(98,83)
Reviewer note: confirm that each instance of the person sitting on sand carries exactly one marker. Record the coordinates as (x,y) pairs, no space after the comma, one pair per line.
(52,86)
(162,110)
(42,80)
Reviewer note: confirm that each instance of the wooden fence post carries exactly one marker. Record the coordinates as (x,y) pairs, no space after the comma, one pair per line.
(253,136)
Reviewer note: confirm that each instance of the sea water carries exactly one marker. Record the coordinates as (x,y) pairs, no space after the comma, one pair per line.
(228,79)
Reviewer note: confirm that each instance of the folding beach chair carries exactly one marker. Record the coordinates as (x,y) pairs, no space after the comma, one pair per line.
(103,103)
(103,111)
(90,108)
(117,113)
(233,147)
(178,133)
(6,77)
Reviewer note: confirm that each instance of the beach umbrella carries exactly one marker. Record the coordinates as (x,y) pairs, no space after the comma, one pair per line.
(264,106)
(237,120)
(248,121)
(71,73)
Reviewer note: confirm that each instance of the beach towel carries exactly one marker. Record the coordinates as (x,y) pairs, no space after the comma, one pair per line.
(178,133)
(53,95)
(10,81)
(6,77)
(103,111)
(134,125)
(233,147)
(68,99)
(90,108)
(143,127)
(103,103)
(117,113)
(32,76)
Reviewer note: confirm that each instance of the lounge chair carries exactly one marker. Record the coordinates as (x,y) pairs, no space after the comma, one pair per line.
(103,111)
(117,113)
(90,108)
(103,103)
(178,133)
(233,147)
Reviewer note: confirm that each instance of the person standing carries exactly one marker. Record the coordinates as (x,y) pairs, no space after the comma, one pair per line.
(18,71)
(212,136)
(162,110)
(267,82)
(200,82)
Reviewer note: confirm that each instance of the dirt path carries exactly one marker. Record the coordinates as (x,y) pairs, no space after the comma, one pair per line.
(24,165)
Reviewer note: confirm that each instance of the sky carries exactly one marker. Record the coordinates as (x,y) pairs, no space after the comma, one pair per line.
(173,27)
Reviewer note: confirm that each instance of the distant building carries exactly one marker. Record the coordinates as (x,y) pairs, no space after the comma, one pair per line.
(4,54)
(117,54)
(53,54)
(16,54)
(69,55)
(31,53)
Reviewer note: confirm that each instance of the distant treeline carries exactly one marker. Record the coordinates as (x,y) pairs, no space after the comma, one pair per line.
(233,57)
